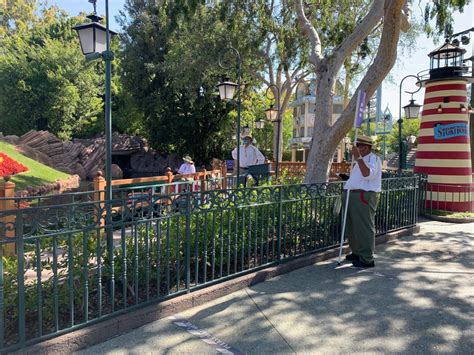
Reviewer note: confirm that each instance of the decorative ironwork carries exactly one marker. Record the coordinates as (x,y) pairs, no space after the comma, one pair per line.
(166,240)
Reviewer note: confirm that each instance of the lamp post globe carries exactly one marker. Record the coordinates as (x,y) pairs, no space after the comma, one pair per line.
(412,110)
(226,89)
(260,124)
(93,35)
(271,114)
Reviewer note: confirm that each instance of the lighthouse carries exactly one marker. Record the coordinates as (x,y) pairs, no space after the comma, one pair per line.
(443,151)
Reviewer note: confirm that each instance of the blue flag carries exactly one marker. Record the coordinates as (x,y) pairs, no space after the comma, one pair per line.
(359,116)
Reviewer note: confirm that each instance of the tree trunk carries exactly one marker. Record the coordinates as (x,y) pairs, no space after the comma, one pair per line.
(323,144)
(328,134)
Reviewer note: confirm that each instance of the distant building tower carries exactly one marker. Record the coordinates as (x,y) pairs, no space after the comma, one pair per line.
(443,151)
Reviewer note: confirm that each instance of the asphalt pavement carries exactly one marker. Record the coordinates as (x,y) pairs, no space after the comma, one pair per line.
(419,299)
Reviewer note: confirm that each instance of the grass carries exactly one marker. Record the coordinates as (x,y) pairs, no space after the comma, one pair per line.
(37,174)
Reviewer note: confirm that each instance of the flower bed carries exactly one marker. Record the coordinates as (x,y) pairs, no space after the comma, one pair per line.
(8,166)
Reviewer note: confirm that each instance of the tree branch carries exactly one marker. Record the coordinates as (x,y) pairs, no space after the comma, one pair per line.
(308,29)
(361,31)
(382,64)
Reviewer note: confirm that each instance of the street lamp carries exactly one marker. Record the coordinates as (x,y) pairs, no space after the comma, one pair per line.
(95,44)
(226,92)
(260,124)
(274,115)
(412,111)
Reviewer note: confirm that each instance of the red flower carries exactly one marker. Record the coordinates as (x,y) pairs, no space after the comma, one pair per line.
(8,166)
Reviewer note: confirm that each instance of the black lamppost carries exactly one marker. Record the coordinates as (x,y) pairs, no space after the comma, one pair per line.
(226,93)
(95,44)
(412,111)
(274,115)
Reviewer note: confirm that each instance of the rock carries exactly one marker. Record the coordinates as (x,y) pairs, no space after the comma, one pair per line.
(79,170)
(12,139)
(117,172)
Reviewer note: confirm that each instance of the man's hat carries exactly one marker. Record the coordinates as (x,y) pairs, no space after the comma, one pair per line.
(188,159)
(365,140)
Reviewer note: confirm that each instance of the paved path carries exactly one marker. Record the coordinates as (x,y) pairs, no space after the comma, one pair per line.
(419,299)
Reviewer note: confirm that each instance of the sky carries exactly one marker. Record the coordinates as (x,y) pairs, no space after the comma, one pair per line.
(411,64)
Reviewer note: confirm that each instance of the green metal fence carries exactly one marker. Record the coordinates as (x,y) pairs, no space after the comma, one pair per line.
(64,276)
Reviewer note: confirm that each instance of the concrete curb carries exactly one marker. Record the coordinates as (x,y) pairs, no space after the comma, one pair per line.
(448,219)
(102,331)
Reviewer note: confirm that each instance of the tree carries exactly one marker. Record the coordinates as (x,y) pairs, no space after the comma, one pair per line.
(409,128)
(391,15)
(45,82)
(170,52)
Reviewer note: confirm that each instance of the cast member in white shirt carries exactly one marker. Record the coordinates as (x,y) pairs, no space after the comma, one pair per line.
(364,184)
(249,155)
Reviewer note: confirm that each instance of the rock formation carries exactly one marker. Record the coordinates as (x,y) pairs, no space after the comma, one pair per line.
(85,157)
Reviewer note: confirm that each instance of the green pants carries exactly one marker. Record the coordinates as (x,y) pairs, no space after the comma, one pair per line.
(360,223)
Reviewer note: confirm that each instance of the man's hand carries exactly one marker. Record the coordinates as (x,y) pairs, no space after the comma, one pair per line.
(355,152)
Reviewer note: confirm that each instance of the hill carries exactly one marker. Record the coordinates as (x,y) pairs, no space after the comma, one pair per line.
(37,174)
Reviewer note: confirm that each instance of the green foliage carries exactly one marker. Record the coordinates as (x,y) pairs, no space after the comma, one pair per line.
(441,13)
(45,83)
(409,128)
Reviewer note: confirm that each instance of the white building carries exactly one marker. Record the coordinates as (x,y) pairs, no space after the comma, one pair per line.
(303,120)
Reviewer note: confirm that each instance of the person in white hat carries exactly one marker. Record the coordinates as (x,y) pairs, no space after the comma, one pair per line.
(187,167)
(364,184)
(249,155)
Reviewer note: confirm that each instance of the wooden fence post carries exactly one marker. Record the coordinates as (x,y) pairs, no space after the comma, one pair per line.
(224,174)
(7,191)
(99,197)
(203,180)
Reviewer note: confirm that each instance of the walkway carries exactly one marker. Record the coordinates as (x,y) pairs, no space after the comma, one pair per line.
(419,299)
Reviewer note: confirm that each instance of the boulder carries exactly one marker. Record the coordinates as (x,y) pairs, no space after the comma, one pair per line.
(117,172)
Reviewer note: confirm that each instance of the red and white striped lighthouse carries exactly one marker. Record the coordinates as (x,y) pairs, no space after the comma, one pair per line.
(443,151)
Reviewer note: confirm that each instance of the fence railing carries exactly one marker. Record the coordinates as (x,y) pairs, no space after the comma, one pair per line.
(63,276)
(298,169)
(438,199)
